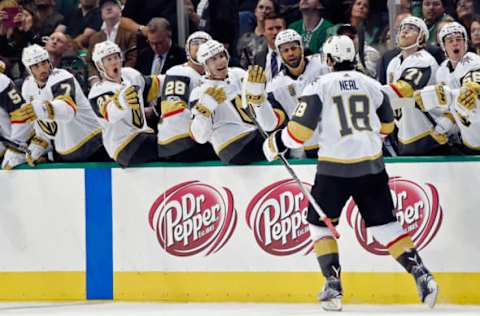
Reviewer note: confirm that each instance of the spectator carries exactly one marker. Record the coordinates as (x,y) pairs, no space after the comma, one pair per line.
(433,12)
(475,34)
(83,22)
(57,45)
(111,30)
(465,10)
(220,19)
(312,27)
(269,58)
(47,18)
(66,7)
(360,17)
(253,41)
(162,53)
(14,39)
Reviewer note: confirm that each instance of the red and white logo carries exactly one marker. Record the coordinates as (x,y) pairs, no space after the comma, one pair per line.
(193,217)
(277,215)
(417,209)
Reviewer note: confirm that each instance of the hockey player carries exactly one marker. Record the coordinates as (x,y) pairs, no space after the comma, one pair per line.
(285,89)
(414,68)
(174,139)
(458,86)
(60,112)
(352,112)
(219,114)
(118,101)
(11,100)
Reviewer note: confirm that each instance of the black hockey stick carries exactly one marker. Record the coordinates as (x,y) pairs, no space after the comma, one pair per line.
(14,145)
(311,199)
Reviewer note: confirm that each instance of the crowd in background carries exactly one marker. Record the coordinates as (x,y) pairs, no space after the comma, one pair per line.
(146,30)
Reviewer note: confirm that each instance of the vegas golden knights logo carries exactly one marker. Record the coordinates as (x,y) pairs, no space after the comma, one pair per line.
(49,128)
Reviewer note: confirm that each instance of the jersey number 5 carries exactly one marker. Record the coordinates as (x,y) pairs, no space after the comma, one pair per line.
(358,114)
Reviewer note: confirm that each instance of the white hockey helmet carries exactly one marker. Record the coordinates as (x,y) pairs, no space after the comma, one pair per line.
(32,55)
(451,28)
(340,48)
(209,49)
(199,35)
(102,50)
(422,29)
(287,36)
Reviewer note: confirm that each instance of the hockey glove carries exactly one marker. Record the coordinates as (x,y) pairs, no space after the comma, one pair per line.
(467,98)
(255,85)
(36,150)
(210,100)
(273,146)
(12,159)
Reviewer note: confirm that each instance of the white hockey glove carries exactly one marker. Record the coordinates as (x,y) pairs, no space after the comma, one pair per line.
(467,99)
(37,149)
(201,128)
(273,146)
(12,159)
(126,98)
(209,101)
(445,124)
(255,85)
(437,97)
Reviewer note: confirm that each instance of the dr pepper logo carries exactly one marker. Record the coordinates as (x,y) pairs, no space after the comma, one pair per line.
(193,217)
(277,215)
(417,209)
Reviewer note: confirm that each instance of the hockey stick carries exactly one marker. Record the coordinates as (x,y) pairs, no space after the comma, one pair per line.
(311,199)
(11,144)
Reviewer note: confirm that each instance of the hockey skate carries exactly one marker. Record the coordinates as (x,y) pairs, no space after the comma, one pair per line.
(331,295)
(426,286)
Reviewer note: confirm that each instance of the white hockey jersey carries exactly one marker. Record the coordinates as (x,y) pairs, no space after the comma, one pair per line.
(413,125)
(174,126)
(352,111)
(121,125)
(232,127)
(10,100)
(74,128)
(468,69)
(285,90)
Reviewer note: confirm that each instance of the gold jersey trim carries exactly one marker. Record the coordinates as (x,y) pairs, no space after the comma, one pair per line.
(173,138)
(231,140)
(81,143)
(350,161)
(127,141)
(415,138)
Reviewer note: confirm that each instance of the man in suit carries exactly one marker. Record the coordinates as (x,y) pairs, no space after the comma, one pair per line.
(111,30)
(161,53)
(269,58)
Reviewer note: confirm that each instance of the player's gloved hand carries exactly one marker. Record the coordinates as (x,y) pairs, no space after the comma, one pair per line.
(273,146)
(12,159)
(467,99)
(170,107)
(24,114)
(445,124)
(210,100)
(255,85)
(36,150)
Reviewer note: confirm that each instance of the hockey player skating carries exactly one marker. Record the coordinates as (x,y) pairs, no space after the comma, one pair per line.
(458,86)
(413,69)
(59,111)
(118,101)
(352,112)
(285,89)
(219,116)
(174,139)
